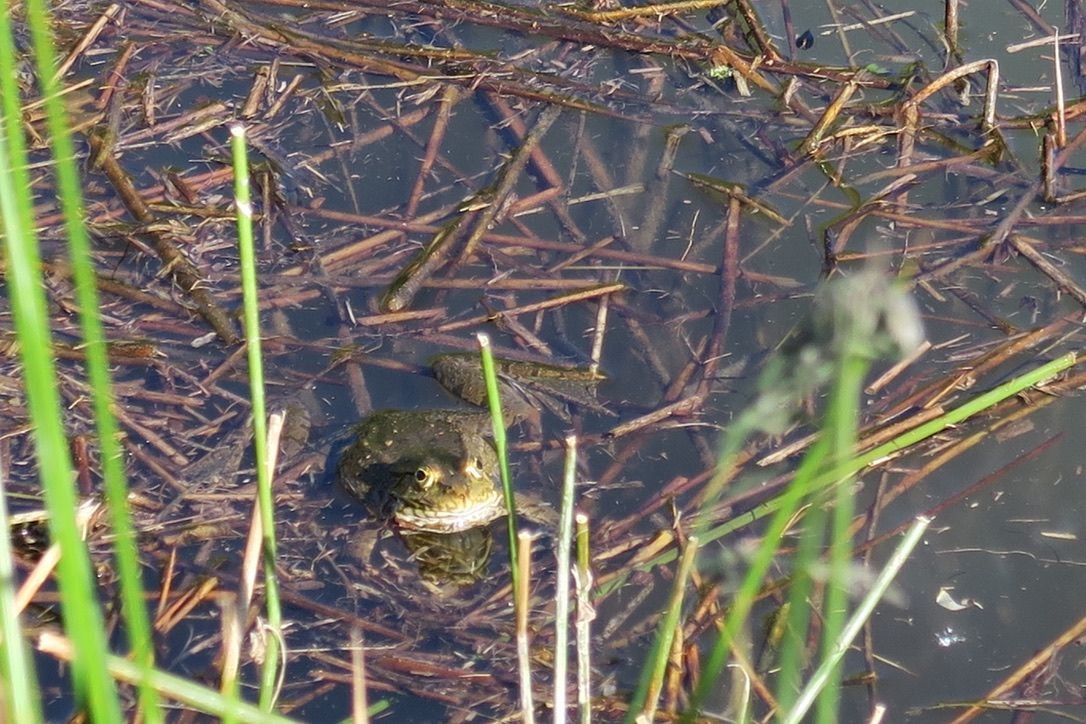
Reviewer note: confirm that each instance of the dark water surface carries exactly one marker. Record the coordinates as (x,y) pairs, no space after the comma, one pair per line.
(1012,547)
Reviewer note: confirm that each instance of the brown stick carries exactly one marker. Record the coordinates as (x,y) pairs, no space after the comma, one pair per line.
(183,272)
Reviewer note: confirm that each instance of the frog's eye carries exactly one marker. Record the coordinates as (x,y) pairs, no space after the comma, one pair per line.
(425,477)
(474,468)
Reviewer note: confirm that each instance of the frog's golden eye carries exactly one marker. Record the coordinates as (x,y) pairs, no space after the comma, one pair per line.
(473,468)
(425,477)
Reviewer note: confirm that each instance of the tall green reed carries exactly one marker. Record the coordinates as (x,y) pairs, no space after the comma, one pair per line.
(835,348)
(69,193)
(493,396)
(20,695)
(270,671)
(83,622)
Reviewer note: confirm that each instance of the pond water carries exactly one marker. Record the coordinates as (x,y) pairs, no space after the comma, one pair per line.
(645,161)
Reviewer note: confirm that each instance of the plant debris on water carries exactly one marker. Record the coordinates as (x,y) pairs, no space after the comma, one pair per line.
(637,204)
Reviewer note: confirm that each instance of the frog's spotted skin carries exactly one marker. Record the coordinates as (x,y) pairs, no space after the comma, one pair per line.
(432,470)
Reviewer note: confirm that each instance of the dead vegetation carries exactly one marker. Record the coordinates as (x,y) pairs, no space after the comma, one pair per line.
(630,185)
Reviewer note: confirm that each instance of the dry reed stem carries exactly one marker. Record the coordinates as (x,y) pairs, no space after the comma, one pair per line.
(359,707)
(653,10)
(590,292)
(684,407)
(88,39)
(1038,661)
(522,603)
(910,110)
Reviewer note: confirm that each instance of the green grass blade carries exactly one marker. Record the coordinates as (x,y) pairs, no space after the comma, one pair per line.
(69,192)
(790,501)
(643,705)
(850,467)
(171,686)
(561,588)
(82,615)
(493,397)
(842,424)
(247,257)
(20,696)
(852,629)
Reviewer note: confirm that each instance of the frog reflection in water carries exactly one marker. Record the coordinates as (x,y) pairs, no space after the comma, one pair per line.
(436,470)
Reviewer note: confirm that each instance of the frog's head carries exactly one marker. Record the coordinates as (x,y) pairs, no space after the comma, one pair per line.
(444,493)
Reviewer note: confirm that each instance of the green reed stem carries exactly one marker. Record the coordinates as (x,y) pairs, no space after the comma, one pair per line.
(808,481)
(270,673)
(840,646)
(69,193)
(585,614)
(989,399)
(21,688)
(792,657)
(20,696)
(838,434)
(82,615)
(842,425)
(643,705)
(561,588)
(501,445)
(174,687)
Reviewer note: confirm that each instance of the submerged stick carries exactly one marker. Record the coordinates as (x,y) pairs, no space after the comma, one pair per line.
(180,268)
(401,293)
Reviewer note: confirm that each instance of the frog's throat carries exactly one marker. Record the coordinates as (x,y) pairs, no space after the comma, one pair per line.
(454,516)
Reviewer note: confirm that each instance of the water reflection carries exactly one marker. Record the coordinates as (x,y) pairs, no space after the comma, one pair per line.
(450,558)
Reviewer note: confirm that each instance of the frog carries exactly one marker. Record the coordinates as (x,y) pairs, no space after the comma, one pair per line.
(426,470)
(436,470)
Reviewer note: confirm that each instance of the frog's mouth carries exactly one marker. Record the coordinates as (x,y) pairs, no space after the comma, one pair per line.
(452,515)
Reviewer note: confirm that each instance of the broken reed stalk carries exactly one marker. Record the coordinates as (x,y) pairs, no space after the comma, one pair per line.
(521,586)
(497,417)
(359,713)
(1061,111)
(250,562)
(232,624)
(833,110)
(270,673)
(587,292)
(585,613)
(951,26)
(562,574)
